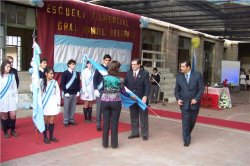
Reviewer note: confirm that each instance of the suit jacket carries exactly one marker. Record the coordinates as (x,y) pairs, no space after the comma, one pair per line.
(188,91)
(14,71)
(140,86)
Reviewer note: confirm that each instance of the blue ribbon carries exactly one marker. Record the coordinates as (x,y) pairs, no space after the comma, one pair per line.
(6,87)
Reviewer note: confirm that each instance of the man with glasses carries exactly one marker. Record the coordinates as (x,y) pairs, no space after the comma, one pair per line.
(137,80)
(98,87)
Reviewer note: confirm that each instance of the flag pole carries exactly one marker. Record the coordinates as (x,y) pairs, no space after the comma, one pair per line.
(153,112)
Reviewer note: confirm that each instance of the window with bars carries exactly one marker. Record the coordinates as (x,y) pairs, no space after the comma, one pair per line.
(151,49)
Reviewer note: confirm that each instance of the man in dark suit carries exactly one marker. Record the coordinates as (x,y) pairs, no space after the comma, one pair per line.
(188,92)
(98,87)
(137,80)
(43,65)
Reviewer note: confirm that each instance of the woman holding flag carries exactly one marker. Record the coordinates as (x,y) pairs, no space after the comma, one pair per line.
(8,98)
(51,101)
(111,104)
(87,93)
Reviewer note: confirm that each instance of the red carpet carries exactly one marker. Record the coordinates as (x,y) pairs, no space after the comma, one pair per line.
(28,143)
(206,120)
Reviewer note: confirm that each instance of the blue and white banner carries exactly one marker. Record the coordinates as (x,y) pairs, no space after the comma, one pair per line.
(38,118)
(69,47)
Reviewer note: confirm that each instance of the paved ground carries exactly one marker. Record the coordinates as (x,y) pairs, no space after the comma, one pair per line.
(211,145)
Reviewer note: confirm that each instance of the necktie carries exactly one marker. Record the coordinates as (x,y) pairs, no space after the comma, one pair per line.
(186,76)
(134,75)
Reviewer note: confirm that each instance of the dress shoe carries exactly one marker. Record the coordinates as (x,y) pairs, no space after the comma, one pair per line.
(6,135)
(114,147)
(186,144)
(54,139)
(73,123)
(14,134)
(145,138)
(46,140)
(66,125)
(105,146)
(99,129)
(133,136)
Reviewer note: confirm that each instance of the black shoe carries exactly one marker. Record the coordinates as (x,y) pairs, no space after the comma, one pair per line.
(54,139)
(73,123)
(6,135)
(186,144)
(46,140)
(99,129)
(66,125)
(133,136)
(114,147)
(105,146)
(145,138)
(14,134)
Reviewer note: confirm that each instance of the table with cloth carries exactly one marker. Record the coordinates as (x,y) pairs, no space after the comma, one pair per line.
(211,96)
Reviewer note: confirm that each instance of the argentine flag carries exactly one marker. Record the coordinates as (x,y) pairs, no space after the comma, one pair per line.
(38,118)
(70,47)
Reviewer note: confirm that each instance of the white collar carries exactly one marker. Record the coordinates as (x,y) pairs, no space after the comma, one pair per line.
(70,70)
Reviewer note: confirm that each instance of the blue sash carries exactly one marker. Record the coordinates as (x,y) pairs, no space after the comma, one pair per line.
(71,80)
(89,80)
(48,93)
(6,87)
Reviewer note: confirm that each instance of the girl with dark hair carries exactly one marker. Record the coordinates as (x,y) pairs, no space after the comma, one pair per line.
(111,104)
(8,99)
(87,93)
(51,101)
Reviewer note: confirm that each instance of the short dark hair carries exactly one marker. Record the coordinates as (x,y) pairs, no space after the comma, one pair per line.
(71,61)
(106,56)
(138,61)
(43,59)
(155,69)
(187,63)
(4,63)
(113,68)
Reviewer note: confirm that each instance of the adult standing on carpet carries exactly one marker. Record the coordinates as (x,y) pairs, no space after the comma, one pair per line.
(70,83)
(111,104)
(87,94)
(51,103)
(137,80)
(188,92)
(8,98)
(98,87)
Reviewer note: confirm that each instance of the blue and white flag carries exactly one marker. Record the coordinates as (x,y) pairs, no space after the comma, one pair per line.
(38,118)
(126,101)
(70,47)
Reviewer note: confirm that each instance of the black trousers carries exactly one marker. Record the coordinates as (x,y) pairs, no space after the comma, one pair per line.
(188,122)
(111,115)
(137,113)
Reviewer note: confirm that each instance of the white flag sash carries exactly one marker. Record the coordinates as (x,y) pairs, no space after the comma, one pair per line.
(71,80)
(6,87)
(48,93)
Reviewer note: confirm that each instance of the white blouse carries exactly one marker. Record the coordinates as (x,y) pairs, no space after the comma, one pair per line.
(87,85)
(10,99)
(52,107)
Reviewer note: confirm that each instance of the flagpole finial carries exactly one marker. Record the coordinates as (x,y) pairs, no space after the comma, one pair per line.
(34,34)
